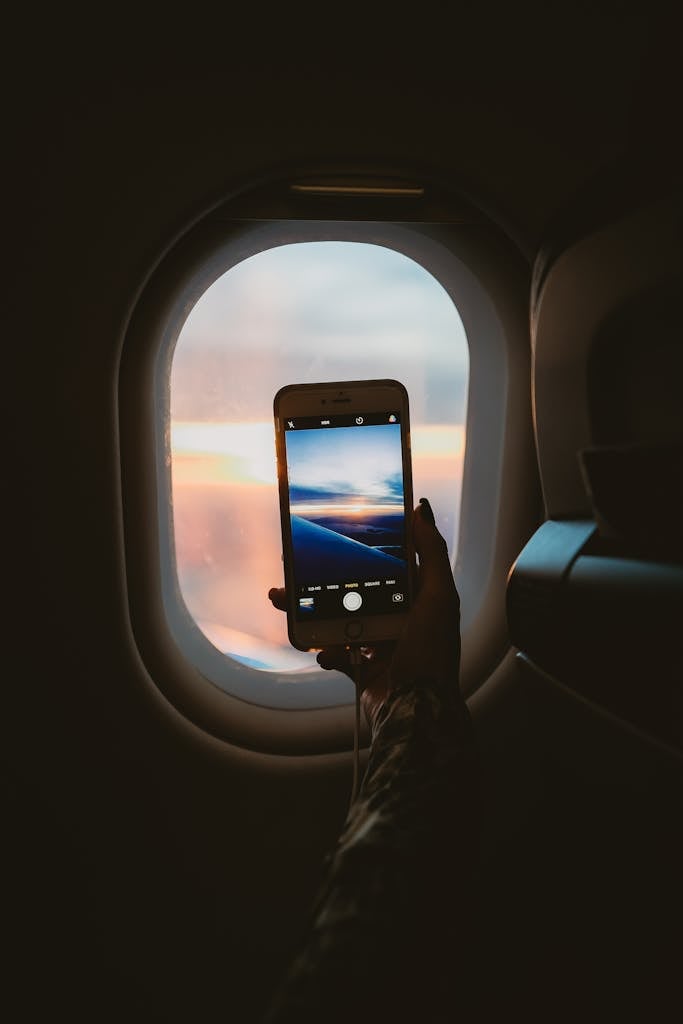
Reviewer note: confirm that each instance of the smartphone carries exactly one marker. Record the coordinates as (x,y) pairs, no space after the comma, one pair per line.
(346,500)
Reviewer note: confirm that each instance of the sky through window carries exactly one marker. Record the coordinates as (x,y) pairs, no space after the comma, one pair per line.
(298,313)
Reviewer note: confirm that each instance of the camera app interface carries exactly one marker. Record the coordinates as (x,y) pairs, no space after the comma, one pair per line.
(347,513)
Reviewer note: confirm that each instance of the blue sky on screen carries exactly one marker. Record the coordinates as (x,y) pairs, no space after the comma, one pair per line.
(345,463)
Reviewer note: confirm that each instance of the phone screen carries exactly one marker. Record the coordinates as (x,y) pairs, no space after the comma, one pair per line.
(347,514)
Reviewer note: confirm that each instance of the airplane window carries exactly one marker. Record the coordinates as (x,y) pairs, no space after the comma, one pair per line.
(262,292)
(302,312)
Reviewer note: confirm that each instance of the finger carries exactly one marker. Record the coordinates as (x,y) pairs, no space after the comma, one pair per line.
(334,658)
(435,566)
(370,677)
(278,598)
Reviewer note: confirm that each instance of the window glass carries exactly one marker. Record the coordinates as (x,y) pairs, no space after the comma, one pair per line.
(297,313)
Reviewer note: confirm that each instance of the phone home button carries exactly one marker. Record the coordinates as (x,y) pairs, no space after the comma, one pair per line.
(354,629)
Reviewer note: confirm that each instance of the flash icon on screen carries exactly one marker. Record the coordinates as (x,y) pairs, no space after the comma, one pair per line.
(359,420)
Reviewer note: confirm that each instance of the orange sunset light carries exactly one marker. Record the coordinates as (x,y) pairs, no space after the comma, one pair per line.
(221,453)
(226,526)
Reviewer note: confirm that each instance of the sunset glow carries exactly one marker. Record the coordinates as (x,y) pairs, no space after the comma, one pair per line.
(220,453)
(227,528)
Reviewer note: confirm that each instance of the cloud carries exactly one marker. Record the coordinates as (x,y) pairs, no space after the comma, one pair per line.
(318,311)
(307,292)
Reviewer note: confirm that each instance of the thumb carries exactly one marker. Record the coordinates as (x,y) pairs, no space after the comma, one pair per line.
(435,566)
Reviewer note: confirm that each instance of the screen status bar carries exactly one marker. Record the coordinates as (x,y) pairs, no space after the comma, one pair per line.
(367,419)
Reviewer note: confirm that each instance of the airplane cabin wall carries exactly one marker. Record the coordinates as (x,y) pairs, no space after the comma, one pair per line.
(152,873)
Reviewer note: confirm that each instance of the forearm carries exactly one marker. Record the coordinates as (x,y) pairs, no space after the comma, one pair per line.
(393,889)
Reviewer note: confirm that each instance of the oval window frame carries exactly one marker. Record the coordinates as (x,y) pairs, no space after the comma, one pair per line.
(487,278)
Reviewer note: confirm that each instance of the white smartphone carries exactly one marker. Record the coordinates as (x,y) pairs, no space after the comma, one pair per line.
(346,500)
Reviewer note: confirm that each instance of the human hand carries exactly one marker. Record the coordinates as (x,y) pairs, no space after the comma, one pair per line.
(429,646)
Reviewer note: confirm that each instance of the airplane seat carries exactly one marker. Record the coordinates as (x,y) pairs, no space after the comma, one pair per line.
(595,610)
(596,597)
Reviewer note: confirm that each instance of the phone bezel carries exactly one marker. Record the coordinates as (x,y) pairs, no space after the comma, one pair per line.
(348,397)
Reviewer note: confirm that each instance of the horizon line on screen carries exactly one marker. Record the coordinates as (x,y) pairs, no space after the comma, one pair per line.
(305,508)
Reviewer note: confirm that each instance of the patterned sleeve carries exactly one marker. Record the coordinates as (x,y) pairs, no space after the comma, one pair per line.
(392,915)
